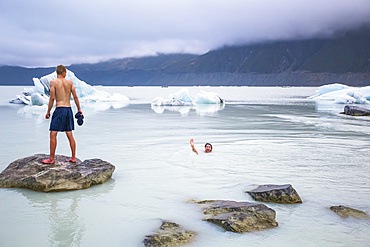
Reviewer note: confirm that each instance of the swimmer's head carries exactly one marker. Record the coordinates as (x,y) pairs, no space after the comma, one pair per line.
(208,147)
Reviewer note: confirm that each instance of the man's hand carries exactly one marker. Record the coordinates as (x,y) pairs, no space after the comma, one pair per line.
(191,142)
(47,116)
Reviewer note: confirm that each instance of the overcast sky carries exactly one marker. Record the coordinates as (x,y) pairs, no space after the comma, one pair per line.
(50,32)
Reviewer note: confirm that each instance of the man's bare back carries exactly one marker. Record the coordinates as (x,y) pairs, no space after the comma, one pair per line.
(62,89)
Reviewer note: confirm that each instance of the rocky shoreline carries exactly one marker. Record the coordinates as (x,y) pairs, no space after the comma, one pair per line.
(238,217)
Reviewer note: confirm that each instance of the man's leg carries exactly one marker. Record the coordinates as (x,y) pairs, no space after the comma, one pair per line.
(53,146)
(72,144)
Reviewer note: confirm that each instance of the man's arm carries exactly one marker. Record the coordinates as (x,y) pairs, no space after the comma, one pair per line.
(192,146)
(75,98)
(51,99)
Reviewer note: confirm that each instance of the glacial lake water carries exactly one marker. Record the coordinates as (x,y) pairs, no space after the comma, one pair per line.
(267,135)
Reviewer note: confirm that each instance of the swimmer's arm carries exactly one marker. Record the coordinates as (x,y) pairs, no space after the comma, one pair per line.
(192,146)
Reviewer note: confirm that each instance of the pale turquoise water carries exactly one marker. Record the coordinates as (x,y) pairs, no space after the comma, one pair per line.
(262,135)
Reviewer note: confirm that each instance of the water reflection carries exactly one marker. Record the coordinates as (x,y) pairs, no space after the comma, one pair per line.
(209,109)
(329,106)
(37,112)
(66,227)
(201,109)
(62,209)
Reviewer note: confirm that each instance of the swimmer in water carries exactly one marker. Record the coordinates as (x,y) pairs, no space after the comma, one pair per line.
(207,147)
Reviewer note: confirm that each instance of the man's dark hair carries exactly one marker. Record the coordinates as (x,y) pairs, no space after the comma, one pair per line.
(208,144)
(60,69)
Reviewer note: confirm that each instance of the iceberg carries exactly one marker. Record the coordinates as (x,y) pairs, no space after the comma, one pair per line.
(207,98)
(342,94)
(40,92)
(204,103)
(182,95)
(330,88)
(205,109)
(183,98)
(39,99)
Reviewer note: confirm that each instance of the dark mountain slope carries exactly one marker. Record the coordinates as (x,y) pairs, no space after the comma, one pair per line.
(345,53)
(12,75)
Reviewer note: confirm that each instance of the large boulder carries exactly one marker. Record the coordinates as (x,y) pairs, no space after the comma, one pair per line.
(356,111)
(169,234)
(239,217)
(345,212)
(275,193)
(31,173)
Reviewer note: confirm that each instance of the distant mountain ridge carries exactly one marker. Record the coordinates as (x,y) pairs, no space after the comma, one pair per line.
(347,53)
(312,62)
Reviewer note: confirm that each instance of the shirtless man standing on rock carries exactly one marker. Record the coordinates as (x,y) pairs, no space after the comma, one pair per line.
(62,119)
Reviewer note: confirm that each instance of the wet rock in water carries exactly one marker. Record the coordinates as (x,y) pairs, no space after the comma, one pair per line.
(356,111)
(239,217)
(31,173)
(276,194)
(169,234)
(345,212)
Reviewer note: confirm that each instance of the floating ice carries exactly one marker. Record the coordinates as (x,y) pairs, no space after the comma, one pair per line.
(39,99)
(39,94)
(182,95)
(169,102)
(330,88)
(204,103)
(183,98)
(343,94)
(207,98)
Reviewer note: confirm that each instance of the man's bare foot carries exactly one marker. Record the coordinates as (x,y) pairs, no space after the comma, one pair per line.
(48,161)
(73,160)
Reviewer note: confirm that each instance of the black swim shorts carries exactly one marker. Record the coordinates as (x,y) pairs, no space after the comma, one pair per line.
(62,119)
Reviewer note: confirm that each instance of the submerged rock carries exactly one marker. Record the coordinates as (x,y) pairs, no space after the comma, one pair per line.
(31,173)
(275,193)
(356,111)
(345,212)
(169,234)
(239,217)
